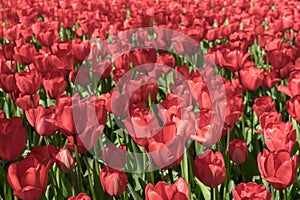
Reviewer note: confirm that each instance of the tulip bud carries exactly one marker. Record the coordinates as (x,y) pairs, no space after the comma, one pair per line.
(238,151)
(64,160)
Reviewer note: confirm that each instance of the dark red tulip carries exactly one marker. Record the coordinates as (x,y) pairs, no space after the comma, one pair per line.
(12,132)
(113,182)
(210,169)
(114,157)
(54,84)
(250,190)
(45,155)
(64,160)
(24,54)
(278,168)
(163,191)
(28,178)
(238,151)
(293,107)
(28,81)
(38,117)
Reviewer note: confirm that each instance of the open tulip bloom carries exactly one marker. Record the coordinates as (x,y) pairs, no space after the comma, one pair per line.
(153,99)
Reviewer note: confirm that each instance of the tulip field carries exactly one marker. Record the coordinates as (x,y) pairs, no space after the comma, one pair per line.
(149,99)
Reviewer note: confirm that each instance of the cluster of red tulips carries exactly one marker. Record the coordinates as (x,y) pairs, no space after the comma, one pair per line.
(153,99)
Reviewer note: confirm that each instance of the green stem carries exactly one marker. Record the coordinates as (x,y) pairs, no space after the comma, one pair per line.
(89,176)
(242,172)
(171,175)
(78,164)
(281,195)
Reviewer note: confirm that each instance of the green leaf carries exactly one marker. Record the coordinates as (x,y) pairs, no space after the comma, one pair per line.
(204,189)
(134,194)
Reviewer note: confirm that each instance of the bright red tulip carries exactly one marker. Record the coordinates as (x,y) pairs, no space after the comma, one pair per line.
(251,78)
(278,168)
(80,196)
(280,136)
(163,191)
(114,182)
(250,190)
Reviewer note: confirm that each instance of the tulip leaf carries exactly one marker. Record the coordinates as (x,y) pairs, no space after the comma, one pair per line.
(204,189)
(134,194)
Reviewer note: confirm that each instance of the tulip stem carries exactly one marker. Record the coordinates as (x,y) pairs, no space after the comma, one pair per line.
(242,172)
(40,141)
(171,176)
(89,176)
(281,195)
(78,164)
(211,193)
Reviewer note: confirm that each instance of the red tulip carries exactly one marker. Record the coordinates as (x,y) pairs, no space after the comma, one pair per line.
(38,117)
(54,84)
(166,147)
(27,101)
(28,81)
(209,168)
(280,136)
(28,178)
(238,151)
(113,182)
(12,138)
(80,196)
(251,78)
(250,190)
(24,54)
(45,155)
(114,157)
(64,160)
(263,104)
(293,107)
(278,168)
(293,87)
(163,191)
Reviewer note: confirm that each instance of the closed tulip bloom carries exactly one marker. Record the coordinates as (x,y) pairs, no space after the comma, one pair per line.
(12,138)
(80,196)
(64,160)
(114,157)
(38,117)
(163,191)
(280,136)
(251,78)
(54,84)
(209,168)
(250,190)
(114,182)
(28,81)
(28,178)
(293,107)
(238,151)
(278,168)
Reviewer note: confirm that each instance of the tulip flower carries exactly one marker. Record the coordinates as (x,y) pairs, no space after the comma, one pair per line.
(12,138)
(209,168)
(80,196)
(238,151)
(163,191)
(113,182)
(278,168)
(250,190)
(28,178)
(64,160)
